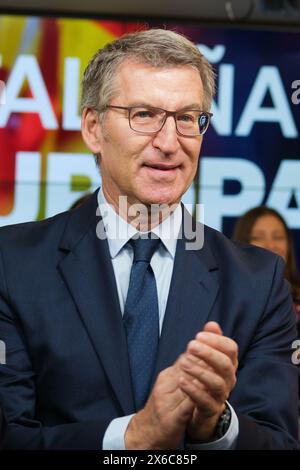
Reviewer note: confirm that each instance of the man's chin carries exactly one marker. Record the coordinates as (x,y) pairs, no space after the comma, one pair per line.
(158,199)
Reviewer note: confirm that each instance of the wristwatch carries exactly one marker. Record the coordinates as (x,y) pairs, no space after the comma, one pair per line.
(223,423)
(220,430)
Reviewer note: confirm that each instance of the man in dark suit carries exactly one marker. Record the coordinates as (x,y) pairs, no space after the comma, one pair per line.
(212,369)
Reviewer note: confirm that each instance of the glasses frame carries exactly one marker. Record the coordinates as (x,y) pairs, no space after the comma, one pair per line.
(167,114)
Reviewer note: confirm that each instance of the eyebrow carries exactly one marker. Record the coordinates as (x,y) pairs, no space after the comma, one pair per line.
(273,232)
(147,105)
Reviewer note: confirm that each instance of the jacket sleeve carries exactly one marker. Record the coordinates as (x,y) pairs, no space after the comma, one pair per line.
(18,398)
(266,395)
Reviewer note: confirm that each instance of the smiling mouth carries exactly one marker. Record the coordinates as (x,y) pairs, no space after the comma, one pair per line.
(162,167)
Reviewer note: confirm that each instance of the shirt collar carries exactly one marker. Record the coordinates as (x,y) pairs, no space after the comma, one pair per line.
(119,231)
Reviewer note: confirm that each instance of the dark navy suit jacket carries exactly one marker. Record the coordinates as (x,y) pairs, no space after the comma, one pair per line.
(67,373)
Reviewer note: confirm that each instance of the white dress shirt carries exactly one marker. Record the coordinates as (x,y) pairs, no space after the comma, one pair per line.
(118,233)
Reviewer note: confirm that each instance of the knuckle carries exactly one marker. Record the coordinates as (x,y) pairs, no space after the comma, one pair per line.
(234,380)
(181,359)
(162,376)
(219,387)
(192,344)
(227,365)
(233,348)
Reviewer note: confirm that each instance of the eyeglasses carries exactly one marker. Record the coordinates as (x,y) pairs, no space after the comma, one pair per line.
(149,120)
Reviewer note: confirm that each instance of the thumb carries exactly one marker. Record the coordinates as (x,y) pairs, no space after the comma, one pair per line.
(213,327)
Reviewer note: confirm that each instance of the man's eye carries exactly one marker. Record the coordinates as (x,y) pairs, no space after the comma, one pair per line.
(185,117)
(143,114)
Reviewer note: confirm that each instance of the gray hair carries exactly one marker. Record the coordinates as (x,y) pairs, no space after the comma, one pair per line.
(157,47)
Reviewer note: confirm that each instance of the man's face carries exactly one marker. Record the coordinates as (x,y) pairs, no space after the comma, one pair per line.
(157,168)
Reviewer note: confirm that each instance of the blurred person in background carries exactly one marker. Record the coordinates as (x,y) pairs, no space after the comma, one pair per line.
(81,200)
(266,228)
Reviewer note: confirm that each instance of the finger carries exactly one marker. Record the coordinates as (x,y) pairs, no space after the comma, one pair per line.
(185,407)
(220,362)
(167,393)
(213,327)
(222,343)
(210,381)
(216,385)
(202,398)
(167,382)
(192,358)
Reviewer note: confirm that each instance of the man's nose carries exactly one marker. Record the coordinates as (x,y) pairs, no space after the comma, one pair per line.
(167,138)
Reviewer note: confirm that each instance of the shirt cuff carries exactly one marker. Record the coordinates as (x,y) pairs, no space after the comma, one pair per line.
(115,433)
(227,442)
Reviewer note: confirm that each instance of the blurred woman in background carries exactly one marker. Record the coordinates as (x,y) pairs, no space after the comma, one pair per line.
(265,227)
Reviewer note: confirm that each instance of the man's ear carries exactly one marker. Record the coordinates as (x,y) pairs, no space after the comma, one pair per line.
(91,130)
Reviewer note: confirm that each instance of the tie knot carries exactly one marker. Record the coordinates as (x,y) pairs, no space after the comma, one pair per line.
(143,248)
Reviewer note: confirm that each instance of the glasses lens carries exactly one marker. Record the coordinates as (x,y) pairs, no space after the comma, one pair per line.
(203,122)
(146,119)
(192,122)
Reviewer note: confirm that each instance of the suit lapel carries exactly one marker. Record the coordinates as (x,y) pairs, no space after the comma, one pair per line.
(87,270)
(88,273)
(193,290)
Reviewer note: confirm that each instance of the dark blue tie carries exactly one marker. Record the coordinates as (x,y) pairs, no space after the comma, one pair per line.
(141,318)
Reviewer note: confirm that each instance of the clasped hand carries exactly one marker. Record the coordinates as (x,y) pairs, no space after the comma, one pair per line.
(188,397)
